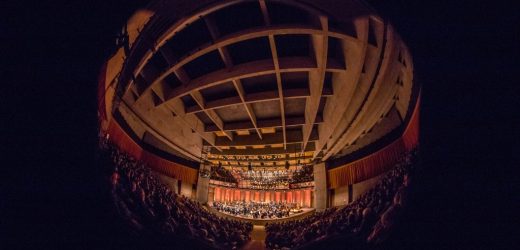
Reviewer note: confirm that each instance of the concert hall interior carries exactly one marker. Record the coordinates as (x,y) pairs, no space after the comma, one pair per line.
(296,127)
(258,124)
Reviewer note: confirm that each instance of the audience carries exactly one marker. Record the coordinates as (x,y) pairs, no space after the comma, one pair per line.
(221,174)
(367,220)
(149,207)
(305,174)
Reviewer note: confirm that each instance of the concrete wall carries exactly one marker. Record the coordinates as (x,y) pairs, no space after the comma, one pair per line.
(340,197)
(187,189)
(361,187)
(382,128)
(202,190)
(320,187)
(211,195)
(173,184)
(170,182)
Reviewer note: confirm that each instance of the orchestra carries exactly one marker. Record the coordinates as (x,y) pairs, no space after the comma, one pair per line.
(258,210)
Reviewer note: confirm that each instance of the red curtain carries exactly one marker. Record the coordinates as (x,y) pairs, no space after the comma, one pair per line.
(248,196)
(307,202)
(228,195)
(172,169)
(411,133)
(298,198)
(102,115)
(216,195)
(302,197)
(237,195)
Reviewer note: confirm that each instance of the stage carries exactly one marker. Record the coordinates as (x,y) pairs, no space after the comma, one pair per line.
(306,212)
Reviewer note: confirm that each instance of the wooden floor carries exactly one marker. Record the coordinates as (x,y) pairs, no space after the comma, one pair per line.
(258,233)
(257,238)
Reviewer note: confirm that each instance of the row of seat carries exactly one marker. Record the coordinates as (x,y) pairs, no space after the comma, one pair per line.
(150,208)
(366,221)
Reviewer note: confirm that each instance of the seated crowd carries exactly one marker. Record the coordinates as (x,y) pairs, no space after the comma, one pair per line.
(304,174)
(151,208)
(221,174)
(368,220)
(257,210)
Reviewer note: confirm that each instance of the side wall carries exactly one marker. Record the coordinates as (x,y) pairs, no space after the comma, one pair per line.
(173,184)
(174,170)
(380,161)
(360,188)
(340,196)
(187,190)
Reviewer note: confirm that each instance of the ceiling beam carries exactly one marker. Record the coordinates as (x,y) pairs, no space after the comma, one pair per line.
(199,99)
(215,34)
(254,97)
(378,61)
(177,108)
(230,39)
(274,54)
(380,97)
(215,104)
(263,123)
(245,70)
(265,13)
(247,106)
(347,83)
(212,114)
(167,54)
(221,42)
(196,125)
(280,87)
(291,149)
(293,136)
(224,54)
(316,79)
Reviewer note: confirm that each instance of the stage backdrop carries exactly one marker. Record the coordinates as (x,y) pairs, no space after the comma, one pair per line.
(300,196)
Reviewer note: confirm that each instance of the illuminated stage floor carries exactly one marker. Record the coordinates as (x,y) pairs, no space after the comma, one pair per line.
(306,212)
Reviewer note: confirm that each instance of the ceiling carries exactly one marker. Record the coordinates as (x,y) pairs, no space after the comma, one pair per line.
(266,82)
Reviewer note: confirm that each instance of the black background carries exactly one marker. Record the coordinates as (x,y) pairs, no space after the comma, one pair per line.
(465,56)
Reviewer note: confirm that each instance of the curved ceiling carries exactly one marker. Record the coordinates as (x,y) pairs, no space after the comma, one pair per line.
(264,81)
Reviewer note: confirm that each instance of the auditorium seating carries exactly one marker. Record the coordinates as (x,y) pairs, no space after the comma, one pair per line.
(304,174)
(221,174)
(148,207)
(366,221)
